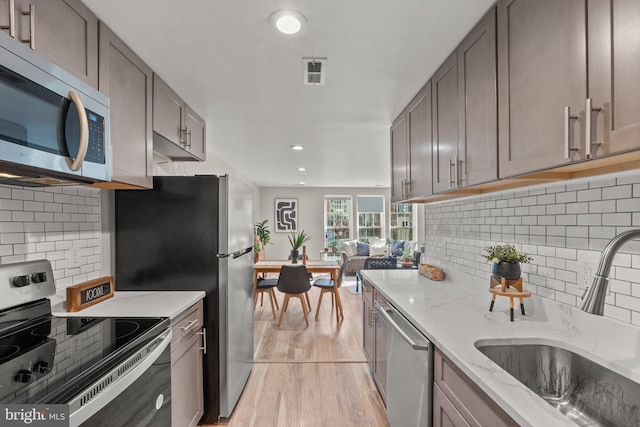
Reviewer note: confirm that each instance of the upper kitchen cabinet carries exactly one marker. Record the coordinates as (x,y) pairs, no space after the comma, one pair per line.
(420,138)
(178,133)
(128,82)
(478,105)
(542,81)
(445,125)
(196,134)
(400,174)
(411,149)
(64,31)
(614,61)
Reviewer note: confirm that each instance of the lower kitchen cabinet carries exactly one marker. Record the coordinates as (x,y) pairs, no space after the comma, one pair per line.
(187,392)
(374,340)
(458,401)
(445,413)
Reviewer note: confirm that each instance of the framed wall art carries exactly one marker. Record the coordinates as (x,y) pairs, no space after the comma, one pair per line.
(286,215)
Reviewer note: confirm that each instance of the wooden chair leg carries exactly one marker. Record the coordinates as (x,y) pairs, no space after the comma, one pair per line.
(272,292)
(304,308)
(306,294)
(271,297)
(285,303)
(261,299)
(319,302)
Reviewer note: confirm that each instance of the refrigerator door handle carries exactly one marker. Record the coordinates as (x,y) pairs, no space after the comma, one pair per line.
(244,251)
(224,255)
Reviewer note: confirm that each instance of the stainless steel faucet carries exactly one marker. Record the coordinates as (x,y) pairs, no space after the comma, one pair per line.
(593,298)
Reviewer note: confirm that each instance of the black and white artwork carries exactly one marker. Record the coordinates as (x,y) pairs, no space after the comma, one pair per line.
(286,215)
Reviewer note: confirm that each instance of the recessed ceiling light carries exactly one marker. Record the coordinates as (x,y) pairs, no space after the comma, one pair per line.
(302,169)
(302,183)
(296,147)
(288,22)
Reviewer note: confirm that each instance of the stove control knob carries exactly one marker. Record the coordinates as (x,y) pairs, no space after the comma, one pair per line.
(39,277)
(20,281)
(24,376)
(40,367)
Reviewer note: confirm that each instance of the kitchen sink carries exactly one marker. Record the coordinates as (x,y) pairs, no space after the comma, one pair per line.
(587,393)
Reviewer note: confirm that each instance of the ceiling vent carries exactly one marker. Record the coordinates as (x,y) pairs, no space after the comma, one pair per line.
(314,71)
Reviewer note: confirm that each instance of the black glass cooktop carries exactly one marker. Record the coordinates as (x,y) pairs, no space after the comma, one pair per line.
(51,359)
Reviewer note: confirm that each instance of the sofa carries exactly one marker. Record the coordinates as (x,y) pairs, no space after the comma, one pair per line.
(357,252)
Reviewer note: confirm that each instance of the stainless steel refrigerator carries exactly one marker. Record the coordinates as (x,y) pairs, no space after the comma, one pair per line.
(196,233)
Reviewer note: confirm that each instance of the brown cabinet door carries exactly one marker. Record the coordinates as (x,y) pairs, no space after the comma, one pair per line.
(478,103)
(445,413)
(399,158)
(367,323)
(196,134)
(65,32)
(168,112)
(614,61)
(380,361)
(541,70)
(420,137)
(445,125)
(128,83)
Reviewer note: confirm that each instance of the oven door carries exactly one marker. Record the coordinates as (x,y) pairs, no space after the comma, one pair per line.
(135,393)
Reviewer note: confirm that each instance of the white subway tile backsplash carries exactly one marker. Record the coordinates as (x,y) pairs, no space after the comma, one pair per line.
(564,226)
(38,223)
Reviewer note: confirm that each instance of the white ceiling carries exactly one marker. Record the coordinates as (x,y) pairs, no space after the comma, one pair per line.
(226,61)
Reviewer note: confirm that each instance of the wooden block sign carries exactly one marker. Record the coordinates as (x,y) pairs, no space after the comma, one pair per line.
(89,293)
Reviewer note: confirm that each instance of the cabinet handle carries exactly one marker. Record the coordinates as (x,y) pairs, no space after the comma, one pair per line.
(457,171)
(204,340)
(190,325)
(451,182)
(587,126)
(182,135)
(12,20)
(189,137)
(567,119)
(32,26)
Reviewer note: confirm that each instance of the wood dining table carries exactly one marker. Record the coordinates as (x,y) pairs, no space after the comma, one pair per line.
(328,266)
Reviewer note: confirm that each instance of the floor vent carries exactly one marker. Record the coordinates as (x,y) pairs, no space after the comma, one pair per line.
(314,71)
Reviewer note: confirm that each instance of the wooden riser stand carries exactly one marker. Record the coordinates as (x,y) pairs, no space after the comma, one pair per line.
(508,288)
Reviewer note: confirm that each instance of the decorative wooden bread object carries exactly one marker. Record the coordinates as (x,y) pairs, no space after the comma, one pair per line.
(430,271)
(89,293)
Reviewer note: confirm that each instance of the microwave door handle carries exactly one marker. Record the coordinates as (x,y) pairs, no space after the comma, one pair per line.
(84,132)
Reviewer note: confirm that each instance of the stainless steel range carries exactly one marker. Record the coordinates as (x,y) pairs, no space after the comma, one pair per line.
(109,371)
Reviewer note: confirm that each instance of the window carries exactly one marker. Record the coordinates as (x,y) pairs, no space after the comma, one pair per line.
(370,217)
(337,224)
(401,218)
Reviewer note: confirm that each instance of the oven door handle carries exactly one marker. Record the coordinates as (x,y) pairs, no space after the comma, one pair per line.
(111,392)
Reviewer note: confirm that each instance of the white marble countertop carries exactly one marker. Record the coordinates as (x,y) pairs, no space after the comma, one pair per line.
(132,304)
(454,314)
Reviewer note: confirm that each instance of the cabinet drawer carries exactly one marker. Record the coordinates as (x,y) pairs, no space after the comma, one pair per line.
(478,409)
(444,413)
(186,324)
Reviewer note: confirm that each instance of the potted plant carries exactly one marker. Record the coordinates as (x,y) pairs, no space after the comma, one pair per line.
(297,240)
(505,261)
(263,237)
(406,258)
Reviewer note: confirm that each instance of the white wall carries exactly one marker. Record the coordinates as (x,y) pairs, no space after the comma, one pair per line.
(310,212)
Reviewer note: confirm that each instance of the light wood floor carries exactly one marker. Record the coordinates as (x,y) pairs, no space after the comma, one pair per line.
(310,376)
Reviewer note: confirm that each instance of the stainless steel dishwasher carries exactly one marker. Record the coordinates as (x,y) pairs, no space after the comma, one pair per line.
(409,371)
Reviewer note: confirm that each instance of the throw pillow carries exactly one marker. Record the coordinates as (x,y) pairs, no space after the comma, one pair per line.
(349,248)
(377,250)
(397,247)
(363,249)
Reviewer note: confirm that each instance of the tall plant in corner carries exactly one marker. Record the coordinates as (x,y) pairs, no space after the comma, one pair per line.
(264,236)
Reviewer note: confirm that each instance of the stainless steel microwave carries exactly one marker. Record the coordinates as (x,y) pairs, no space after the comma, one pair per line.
(54,128)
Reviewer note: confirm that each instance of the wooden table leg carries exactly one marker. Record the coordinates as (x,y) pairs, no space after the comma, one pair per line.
(255,287)
(334,277)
